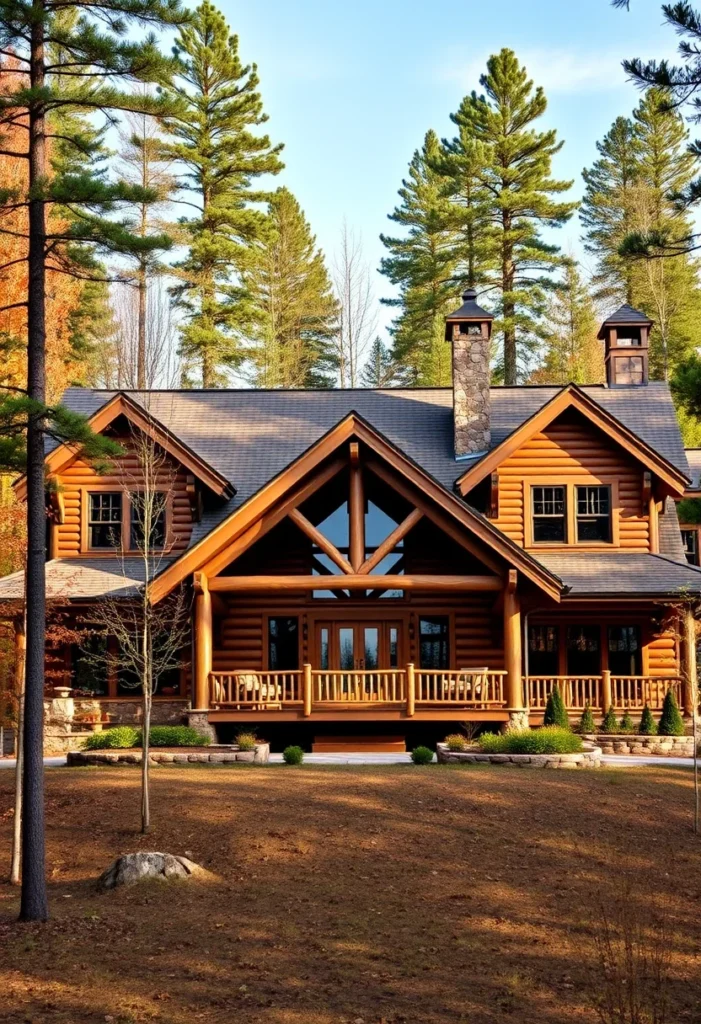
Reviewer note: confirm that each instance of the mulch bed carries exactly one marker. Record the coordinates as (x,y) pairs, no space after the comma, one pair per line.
(387,895)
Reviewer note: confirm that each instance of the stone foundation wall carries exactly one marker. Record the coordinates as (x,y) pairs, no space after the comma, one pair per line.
(660,746)
(589,758)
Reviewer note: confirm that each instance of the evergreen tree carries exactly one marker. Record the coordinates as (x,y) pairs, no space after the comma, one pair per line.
(555,711)
(610,722)
(296,313)
(380,370)
(648,725)
(519,201)
(671,722)
(572,351)
(422,263)
(626,723)
(586,722)
(213,139)
(102,59)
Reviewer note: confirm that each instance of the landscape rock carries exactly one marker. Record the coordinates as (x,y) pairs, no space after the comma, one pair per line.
(131,868)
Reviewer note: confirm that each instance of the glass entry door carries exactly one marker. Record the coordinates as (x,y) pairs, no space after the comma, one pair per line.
(358,646)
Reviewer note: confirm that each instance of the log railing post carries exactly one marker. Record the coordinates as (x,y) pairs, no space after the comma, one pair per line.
(689,670)
(512,645)
(410,691)
(203,642)
(307,689)
(606,690)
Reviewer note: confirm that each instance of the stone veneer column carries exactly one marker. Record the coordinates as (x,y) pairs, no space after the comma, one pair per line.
(471,379)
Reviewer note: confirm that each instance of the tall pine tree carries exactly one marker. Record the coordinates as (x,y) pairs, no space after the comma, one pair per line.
(214,139)
(517,198)
(295,311)
(572,351)
(422,263)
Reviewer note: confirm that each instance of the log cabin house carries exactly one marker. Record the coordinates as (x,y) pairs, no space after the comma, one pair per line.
(387,563)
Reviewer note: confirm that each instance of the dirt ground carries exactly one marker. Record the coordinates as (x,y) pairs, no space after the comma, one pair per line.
(387,895)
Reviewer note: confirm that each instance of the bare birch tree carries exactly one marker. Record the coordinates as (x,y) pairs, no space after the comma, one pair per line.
(149,638)
(357,308)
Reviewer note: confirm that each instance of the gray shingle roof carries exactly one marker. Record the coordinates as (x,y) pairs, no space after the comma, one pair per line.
(670,534)
(693,457)
(251,436)
(85,578)
(625,314)
(621,574)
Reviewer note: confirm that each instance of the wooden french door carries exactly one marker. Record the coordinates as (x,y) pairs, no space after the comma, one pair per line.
(358,646)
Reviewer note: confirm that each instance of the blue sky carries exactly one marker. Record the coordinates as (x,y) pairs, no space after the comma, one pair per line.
(352,88)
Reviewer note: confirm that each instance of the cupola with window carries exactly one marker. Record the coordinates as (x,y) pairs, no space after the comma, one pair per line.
(626,337)
(469,329)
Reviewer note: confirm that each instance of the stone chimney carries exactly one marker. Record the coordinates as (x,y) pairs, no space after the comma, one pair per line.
(469,329)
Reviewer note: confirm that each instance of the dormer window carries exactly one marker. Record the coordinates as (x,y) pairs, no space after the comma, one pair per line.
(105,519)
(139,512)
(549,515)
(572,513)
(593,514)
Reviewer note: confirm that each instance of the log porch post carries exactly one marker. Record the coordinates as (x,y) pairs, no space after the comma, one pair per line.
(689,670)
(203,641)
(356,509)
(512,645)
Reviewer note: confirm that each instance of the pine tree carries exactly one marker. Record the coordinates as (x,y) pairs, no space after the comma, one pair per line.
(380,370)
(671,722)
(520,192)
(610,722)
(586,722)
(422,264)
(626,723)
(213,139)
(572,351)
(555,711)
(605,210)
(103,59)
(296,313)
(648,725)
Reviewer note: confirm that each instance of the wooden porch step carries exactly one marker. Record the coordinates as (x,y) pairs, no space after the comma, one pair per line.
(359,745)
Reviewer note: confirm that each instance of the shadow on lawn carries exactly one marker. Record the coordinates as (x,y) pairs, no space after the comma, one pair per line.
(415,895)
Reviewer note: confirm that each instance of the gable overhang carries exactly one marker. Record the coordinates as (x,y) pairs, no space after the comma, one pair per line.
(122,404)
(572,397)
(239,530)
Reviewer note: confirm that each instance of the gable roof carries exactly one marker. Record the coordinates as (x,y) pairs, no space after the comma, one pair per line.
(574,397)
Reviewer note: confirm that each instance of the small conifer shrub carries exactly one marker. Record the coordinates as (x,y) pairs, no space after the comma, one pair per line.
(456,742)
(648,725)
(671,721)
(422,755)
(246,741)
(586,722)
(626,723)
(610,722)
(555,713)
(293,755)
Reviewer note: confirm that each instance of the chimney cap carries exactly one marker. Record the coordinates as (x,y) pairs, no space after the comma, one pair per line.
(625,316)
(469,310)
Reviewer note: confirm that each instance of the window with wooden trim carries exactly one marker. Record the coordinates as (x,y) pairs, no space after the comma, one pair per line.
(543,650)
(434,642)
(625,651)
(283,644)
(549,506)
(583,650)
(104,519)
(147,508)
(593,514)
(690,541)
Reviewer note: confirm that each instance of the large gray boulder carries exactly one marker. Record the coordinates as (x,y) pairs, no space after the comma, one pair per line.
(131,868)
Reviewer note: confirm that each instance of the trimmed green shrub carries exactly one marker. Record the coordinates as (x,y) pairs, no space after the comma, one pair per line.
(671,721)
(586,722)
(246,741)
(550,739)
(175,736)
(121,737)
(293,755)
(555,712)
(456,742)
(648,725)
(626,724)
(422,755)
(610,722)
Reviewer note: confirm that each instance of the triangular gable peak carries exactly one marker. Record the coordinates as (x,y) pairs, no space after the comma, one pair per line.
(571,397)
(122,404)
(353,443)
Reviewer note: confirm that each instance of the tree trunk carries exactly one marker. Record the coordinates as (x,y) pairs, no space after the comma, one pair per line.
(508,305)
(141,331)
(16,862)
(34,905)
(145,753)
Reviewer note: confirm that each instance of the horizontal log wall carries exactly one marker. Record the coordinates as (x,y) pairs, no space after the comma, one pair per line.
(570,448)
(124,472)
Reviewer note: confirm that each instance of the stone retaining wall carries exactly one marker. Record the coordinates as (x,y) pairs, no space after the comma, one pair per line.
(65,728)
(661,746)
(201,755)
(590,757)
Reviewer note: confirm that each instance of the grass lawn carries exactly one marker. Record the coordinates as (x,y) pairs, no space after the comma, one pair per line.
(387,895)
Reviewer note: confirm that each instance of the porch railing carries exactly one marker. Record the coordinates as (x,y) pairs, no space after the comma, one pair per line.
(603,691)
(476,688)
(387,686)
(255,689)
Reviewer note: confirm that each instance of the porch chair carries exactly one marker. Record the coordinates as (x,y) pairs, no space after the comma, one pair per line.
(470,684)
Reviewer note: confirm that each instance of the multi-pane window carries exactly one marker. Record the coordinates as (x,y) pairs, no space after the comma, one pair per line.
(543,647)
(105,519)
(625,650)
(593,514)
(583,651)
(147,508)
(90,666)
(629,370)
(690,540)
(283,644)
(549,519)
(434,649)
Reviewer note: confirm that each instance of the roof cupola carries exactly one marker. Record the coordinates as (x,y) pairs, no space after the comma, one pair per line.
(626,338)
